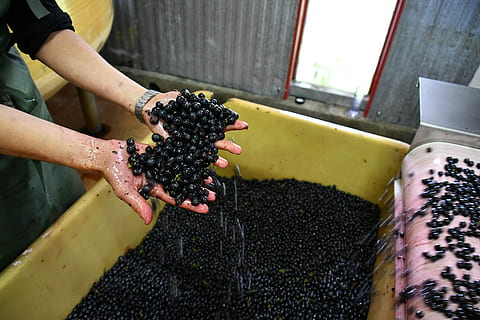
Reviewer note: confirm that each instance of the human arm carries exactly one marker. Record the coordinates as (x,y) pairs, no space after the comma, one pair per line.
(70,56)
(75,60)
(48,35)
(27,136)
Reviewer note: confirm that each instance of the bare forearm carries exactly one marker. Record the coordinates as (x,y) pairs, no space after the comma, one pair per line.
(76,61)
(23,135)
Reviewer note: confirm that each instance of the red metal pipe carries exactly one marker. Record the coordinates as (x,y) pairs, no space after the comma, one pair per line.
(297,39)
(384,54)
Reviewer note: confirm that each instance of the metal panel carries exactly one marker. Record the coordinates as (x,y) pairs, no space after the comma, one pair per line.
(238,44)
(440,122)
(435,39)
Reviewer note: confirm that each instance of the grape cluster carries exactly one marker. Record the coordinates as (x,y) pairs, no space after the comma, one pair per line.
(272,249)
(180,162)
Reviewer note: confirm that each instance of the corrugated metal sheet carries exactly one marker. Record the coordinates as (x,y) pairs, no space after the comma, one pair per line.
(239,44)
(245,44)
(435,39)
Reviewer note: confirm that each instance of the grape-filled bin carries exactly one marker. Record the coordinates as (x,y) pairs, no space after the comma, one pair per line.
(49,278)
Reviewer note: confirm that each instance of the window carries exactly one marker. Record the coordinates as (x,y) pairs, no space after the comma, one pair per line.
(341,43)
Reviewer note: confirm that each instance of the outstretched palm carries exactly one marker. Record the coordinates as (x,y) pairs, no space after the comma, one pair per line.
(126,186)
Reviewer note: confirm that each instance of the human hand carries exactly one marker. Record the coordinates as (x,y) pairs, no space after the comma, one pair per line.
(157,126)
(113,164)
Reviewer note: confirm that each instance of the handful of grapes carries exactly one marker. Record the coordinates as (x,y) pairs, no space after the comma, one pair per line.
(180,162)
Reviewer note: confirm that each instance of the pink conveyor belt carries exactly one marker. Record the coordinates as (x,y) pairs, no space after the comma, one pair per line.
(412,232)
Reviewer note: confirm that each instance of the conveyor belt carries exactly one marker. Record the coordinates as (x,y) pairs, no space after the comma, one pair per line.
(437,217)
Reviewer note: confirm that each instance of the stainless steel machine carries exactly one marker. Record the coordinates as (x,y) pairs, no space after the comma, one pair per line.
(437,208)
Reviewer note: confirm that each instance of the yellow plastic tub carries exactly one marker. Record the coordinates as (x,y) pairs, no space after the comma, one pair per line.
(52,276)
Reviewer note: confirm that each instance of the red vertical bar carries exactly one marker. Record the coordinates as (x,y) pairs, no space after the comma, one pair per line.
(384,54)
(297,39)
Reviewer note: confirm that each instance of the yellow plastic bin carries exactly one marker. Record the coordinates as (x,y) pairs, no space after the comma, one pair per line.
(52,276)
